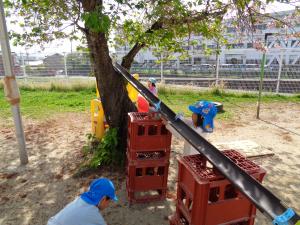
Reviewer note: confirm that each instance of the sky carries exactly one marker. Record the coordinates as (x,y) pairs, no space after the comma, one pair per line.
(62,46)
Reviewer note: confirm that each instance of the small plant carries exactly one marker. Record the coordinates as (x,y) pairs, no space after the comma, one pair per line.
(102,152)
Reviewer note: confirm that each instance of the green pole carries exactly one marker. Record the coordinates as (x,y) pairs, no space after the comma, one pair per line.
(262,73)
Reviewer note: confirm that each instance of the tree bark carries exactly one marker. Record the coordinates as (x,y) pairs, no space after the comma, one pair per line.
(111,85)
(128,59)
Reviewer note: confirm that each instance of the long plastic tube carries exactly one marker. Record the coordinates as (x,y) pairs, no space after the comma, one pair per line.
(263,199)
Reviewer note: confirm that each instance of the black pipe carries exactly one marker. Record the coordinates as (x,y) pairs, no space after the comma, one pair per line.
(263,199)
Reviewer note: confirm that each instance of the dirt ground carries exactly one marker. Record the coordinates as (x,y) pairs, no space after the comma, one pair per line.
(31,194)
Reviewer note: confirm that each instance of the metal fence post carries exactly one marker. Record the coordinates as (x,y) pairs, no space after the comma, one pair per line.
(23,65)
(279,71)
(262,73)
(161,69)
(14,92)
(217,69)
(65,64)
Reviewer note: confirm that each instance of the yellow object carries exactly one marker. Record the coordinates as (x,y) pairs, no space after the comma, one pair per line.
(97,91)
(298,223)
(97,113)
(132,92)
(97,118)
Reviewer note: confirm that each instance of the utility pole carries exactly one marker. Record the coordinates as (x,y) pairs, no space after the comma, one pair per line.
(12,93)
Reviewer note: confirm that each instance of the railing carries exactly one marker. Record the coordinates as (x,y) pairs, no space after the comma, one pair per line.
(278,79)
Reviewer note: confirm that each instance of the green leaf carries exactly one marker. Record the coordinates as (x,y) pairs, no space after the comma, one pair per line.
(96,21)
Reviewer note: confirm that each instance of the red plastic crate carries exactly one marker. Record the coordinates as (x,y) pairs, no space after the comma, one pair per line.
(146,196)
(144,177)
(205,197)
(157,155)
(172,220)
(147,132)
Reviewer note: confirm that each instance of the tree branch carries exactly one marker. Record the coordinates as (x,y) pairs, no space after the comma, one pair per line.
(82,29)
(128,59)
(164,23)
(275,19)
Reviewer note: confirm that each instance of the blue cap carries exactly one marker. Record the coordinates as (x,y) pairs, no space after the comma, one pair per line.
(99,188)
(208,111)
(152,80)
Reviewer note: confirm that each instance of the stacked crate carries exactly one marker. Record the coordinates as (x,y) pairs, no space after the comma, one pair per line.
(206,197)
(148,153)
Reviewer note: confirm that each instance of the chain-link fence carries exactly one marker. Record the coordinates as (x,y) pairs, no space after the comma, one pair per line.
(277,78)
(284,79)
(54,65)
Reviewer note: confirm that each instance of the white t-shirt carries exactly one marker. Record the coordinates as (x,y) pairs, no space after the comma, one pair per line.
(188,149)
(78,212)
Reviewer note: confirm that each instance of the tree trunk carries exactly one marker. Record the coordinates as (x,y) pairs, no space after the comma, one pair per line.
(111,85)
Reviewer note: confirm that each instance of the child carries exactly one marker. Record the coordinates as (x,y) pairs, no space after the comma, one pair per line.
(151,85)
(86,209)
(203,115)
(202,122)
(142,104)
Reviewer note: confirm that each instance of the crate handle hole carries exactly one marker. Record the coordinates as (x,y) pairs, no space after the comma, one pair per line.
(139,172)
(214,194)
(150,171)
(230,192)
(152,130)
(141,130)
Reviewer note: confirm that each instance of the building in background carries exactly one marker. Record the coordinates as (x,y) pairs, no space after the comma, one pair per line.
(238,53)
(16,65)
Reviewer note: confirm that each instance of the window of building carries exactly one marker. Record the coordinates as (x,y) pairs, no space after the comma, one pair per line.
(231,29)
(197,60)
(250,45)
(185,61)
(198,47)
(211,46)
(261,26)
(234,61)
(239,45)
(252,61)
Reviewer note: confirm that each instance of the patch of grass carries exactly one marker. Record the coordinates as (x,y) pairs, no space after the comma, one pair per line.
(42,100)
(58,85)
(178,99)
(43,103)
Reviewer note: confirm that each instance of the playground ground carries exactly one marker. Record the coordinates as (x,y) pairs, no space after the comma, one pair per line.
(30,195)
